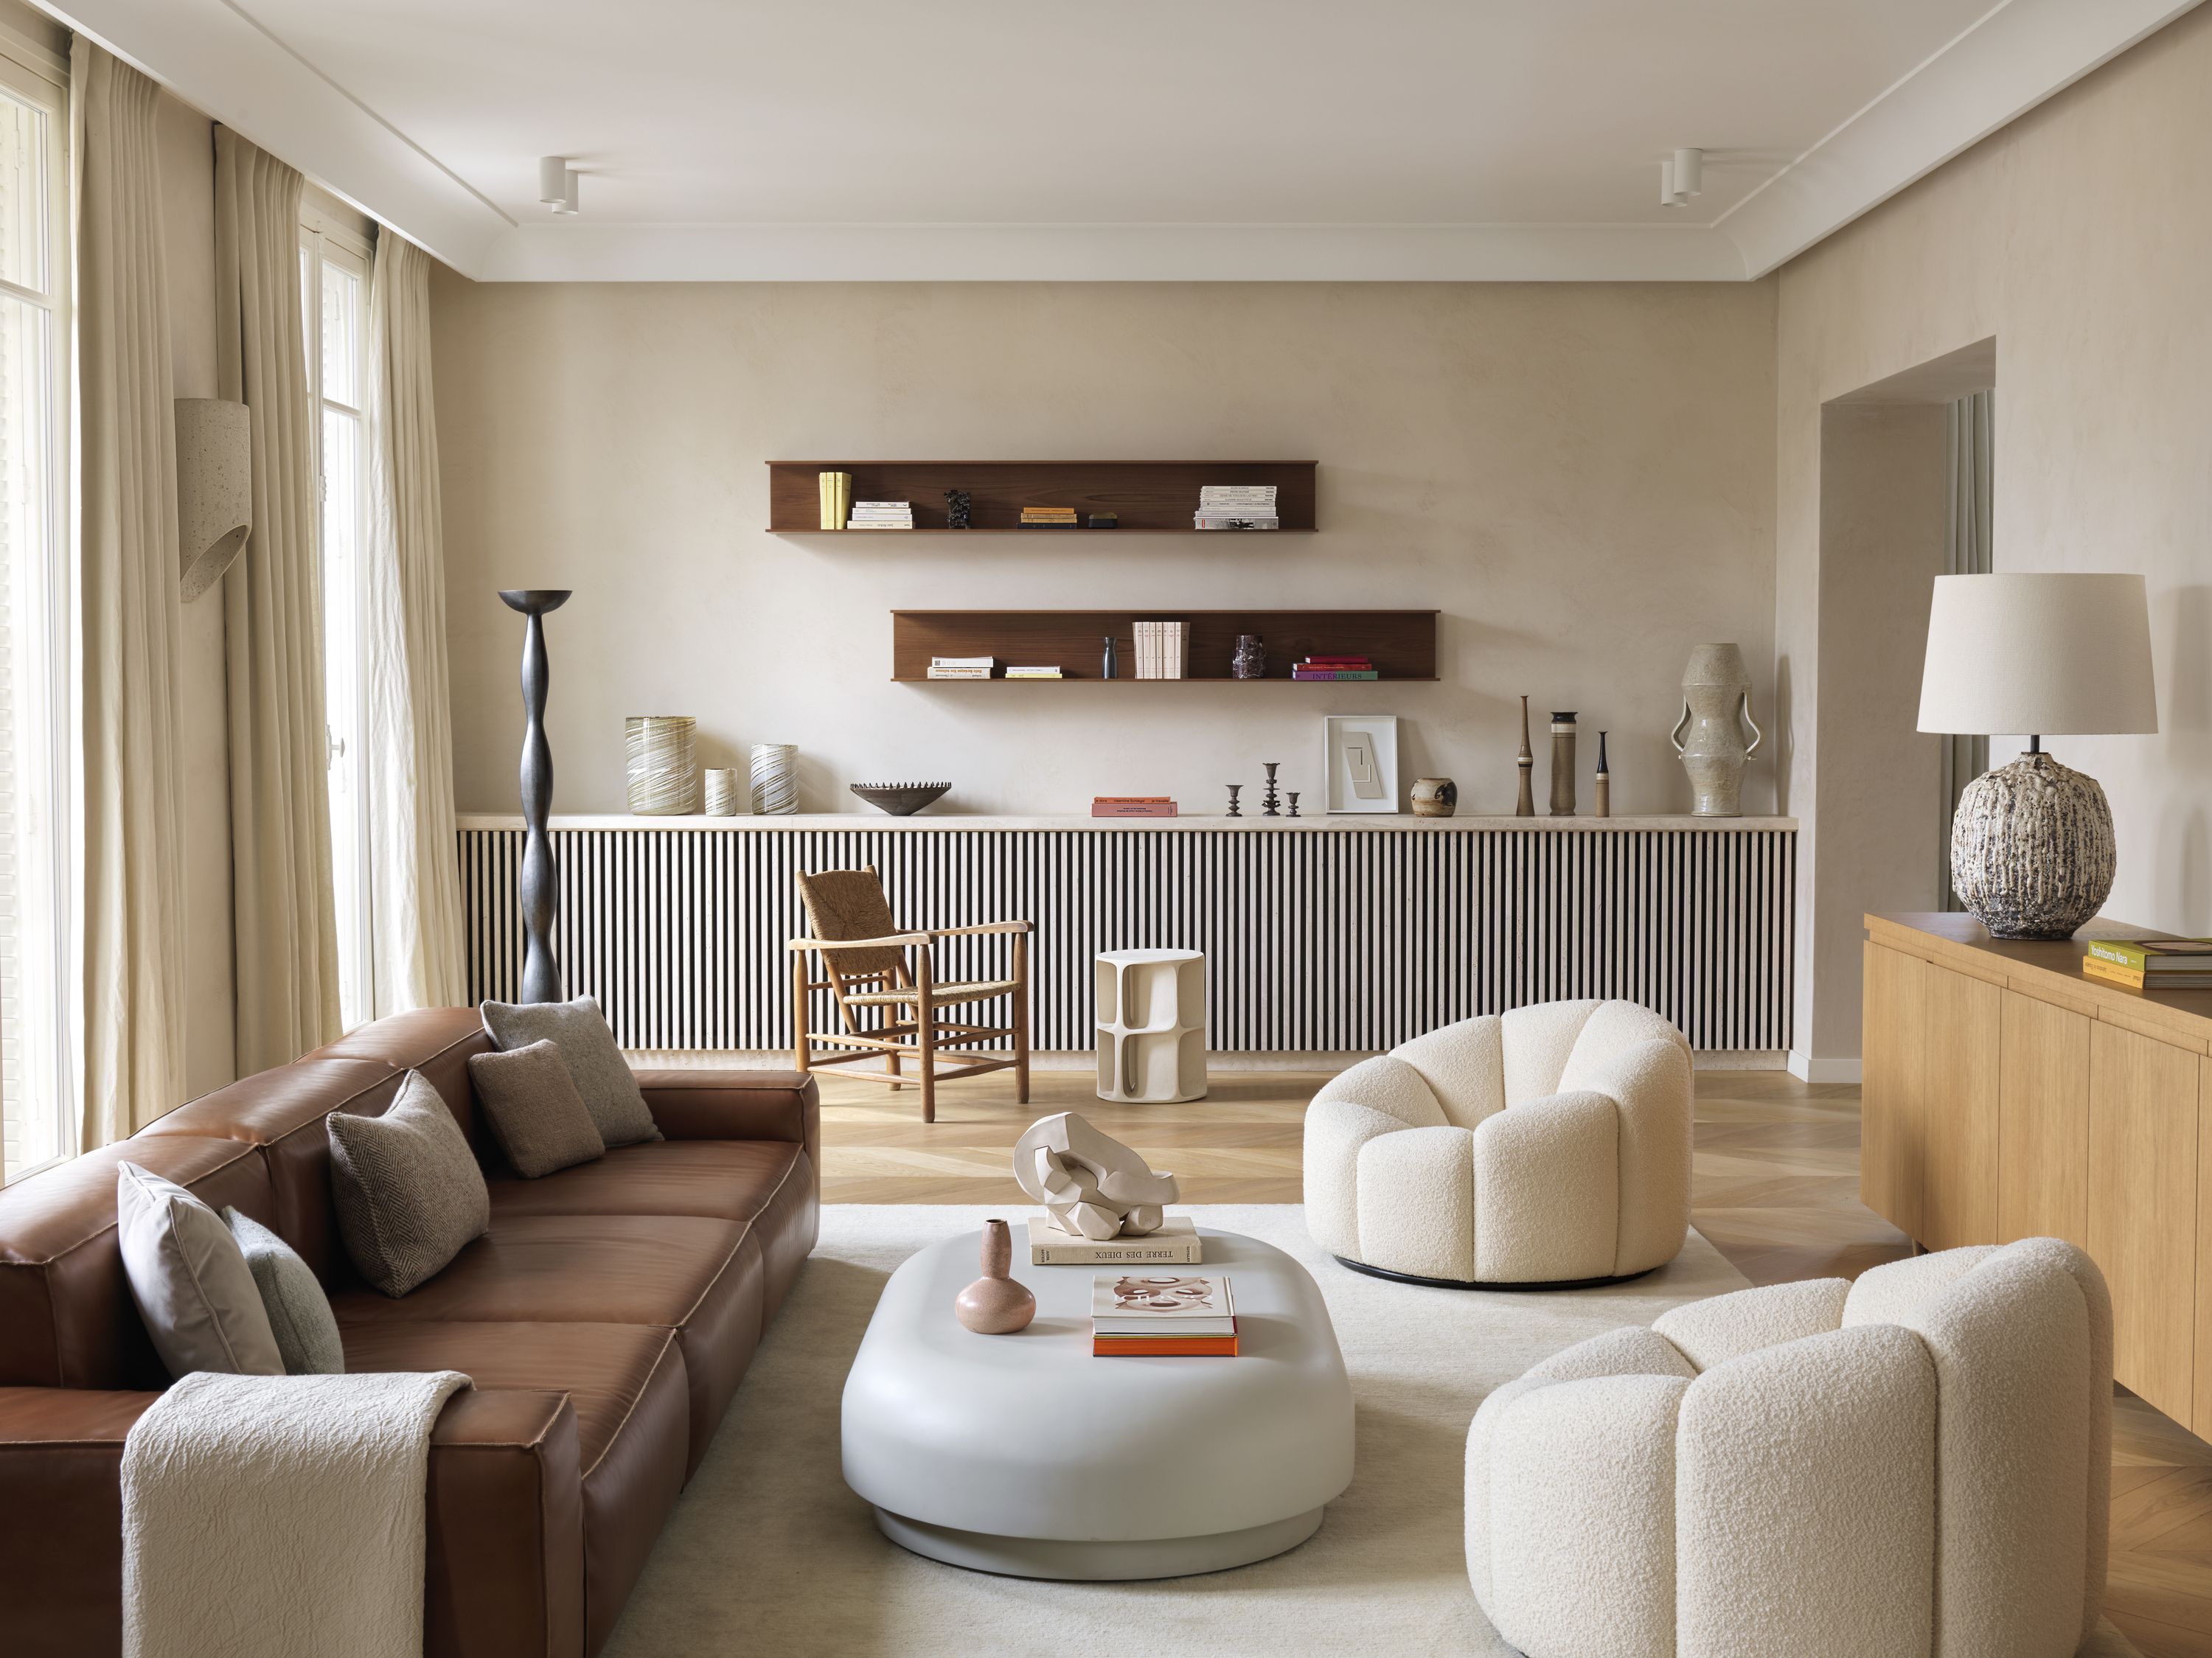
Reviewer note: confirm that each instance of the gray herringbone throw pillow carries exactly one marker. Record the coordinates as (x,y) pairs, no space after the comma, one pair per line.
(534,1110)
(408,1189)
(602,1076)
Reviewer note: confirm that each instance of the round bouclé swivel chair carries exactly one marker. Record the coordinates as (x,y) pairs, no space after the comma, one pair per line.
(1546,1147)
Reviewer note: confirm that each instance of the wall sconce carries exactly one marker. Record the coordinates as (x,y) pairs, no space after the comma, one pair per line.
(1681,178)
(215,488)
(556,182)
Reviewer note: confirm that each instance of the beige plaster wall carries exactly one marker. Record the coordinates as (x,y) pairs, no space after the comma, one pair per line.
(187,159)
(1579,476)
(2080,237)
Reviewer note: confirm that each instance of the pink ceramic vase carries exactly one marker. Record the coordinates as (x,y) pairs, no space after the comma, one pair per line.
(994,1304)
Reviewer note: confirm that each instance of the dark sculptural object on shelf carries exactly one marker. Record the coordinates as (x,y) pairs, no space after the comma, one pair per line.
(1111,667)
(1235,810)
(1526,806)
(541,974)
(1250,661)
(956,509)
(1268,803)
(1292,795)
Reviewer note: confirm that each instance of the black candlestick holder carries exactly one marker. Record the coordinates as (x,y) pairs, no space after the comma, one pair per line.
(1268,803)
(1235,810)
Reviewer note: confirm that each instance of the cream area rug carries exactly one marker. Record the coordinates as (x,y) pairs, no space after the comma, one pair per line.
(768,1552)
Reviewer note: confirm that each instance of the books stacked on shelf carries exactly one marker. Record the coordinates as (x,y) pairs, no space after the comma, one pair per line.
(837,499)
(1333,667)
(1049,515)
(1175,1244)
(962,667)
(2151,964)
(1162,649)
(881,515)
(1132,805)
(1159,1314)
(1237,507)
(1034,673)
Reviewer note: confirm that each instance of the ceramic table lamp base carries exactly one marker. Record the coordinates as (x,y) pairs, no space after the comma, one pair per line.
(2031,851)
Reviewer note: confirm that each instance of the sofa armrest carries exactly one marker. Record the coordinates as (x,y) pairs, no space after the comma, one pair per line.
(505,1568)
(737,1105)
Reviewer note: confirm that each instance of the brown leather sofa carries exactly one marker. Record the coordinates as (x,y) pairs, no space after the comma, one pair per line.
(607,1318)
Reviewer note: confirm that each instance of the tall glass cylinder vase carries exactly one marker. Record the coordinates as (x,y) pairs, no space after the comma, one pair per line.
(775,779)
(664,764)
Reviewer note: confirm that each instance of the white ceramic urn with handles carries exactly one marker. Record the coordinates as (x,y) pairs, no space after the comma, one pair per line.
(1715,707)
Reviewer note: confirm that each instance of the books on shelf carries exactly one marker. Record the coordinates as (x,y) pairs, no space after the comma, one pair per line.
(1334,667)
(1175,1244)
(1049,515)
(962,667)
(1236,506)
(1034,673)
(2186,972)
(1132,805)
(881,515)
(1142,1314)
(837,499)
(1162,649)
(2155,957)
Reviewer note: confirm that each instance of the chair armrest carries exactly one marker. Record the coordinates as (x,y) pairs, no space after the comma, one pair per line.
(900,940)
(737,1105)
(506,1556)
(981,927)
(1711,1333)
(1335,1129)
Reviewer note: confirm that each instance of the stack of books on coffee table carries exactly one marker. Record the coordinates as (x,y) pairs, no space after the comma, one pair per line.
(1160,1314)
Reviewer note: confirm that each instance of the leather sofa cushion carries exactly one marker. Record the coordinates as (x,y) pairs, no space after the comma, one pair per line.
(721,1180)
(434,1040)
(564,1269)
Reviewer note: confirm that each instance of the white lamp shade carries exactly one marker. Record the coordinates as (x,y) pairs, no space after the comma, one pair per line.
(2039,655)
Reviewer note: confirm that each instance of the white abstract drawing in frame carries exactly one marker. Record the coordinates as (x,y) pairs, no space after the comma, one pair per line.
(1359,759)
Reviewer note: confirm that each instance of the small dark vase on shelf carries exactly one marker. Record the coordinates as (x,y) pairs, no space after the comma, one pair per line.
(1269,805)
(1293,796)
(1235,810)
(1111,667)
(956,509)
(1250,661)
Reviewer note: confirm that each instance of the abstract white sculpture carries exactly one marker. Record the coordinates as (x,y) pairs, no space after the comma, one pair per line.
(1092,1185)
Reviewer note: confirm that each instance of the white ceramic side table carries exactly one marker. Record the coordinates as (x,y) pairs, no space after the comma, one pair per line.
(1026,1456)
(1152,1025)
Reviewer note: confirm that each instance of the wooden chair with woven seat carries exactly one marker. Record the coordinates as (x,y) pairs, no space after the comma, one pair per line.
(865,954)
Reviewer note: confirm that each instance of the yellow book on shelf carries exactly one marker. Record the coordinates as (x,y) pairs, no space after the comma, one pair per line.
(829,483)
(844,514)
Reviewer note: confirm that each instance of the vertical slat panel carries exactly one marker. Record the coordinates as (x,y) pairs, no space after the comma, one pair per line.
(1314,941)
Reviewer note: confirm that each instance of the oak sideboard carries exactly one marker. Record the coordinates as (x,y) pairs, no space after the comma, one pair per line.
(2007,1096)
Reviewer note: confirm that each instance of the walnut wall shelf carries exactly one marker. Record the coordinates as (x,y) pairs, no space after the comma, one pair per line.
(1148,496)
(1401,643)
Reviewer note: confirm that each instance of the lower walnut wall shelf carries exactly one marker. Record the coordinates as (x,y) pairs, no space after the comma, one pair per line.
(1402,644)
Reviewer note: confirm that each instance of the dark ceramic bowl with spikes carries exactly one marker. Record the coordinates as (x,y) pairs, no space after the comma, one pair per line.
(900,799)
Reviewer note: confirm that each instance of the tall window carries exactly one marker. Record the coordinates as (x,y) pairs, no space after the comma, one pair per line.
(37,1092)
(334,280)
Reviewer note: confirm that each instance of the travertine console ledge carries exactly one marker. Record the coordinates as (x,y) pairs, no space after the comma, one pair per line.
(1350,824)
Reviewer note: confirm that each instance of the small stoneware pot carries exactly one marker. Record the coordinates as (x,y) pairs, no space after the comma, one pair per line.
(1435,797)
(994,1304)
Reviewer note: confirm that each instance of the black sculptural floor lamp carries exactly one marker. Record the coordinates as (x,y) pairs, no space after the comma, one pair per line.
(541,974)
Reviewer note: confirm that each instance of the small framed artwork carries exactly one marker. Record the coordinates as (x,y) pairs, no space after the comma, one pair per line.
(1360,761)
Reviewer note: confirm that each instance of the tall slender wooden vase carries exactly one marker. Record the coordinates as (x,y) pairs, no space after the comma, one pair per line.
(1715,707)
(1525,805)
(540,875)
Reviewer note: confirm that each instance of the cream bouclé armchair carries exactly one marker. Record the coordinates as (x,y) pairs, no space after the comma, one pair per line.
(1549,1145)
(1917,1464)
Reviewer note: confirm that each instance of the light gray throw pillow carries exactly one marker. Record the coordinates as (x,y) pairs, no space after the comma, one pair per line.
(408,1190)
(190,1280)
(602,1076)
(298,1312)
(534,1110)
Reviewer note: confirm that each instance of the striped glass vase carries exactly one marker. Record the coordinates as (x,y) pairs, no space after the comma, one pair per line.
(776,779)
(664,765)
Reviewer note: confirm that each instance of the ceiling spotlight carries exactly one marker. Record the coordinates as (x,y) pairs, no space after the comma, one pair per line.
(1681,178)
(556,182)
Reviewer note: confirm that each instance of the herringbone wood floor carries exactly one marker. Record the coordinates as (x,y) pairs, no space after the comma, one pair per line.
(1777,1191)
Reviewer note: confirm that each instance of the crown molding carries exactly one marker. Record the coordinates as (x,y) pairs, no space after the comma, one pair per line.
(2014,58)
(222,63)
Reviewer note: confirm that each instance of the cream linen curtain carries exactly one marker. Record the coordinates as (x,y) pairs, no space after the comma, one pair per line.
(280,830)
(415,893)
(131,640)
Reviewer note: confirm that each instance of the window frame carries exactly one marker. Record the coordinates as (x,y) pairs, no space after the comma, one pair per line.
(324,243)
(40,79)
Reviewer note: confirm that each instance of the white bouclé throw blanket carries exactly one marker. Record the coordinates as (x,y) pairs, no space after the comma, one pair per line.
(273,1517)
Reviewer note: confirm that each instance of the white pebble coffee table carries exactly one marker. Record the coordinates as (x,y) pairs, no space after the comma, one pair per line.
(1024,1454)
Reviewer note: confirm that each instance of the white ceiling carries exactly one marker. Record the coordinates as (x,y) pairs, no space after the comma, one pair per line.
(1201,138)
